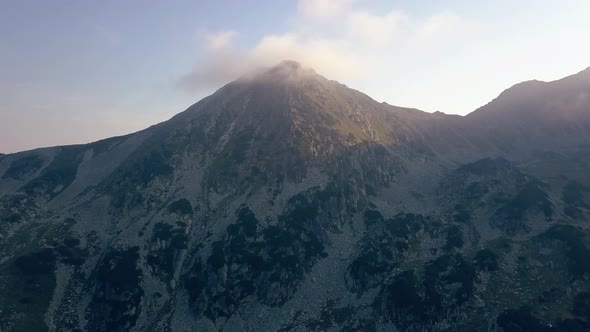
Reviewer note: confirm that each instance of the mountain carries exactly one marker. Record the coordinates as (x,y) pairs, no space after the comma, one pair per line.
(543,113)
(289,202)
(563,100)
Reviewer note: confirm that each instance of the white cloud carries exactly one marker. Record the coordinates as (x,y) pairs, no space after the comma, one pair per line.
(323,9)
(437,61)
(329,55)
(377,30)
(363,43)
(220,40)
(441,23)
(218,66)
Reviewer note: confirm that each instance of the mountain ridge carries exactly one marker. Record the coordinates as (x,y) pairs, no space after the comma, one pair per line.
(290,68)
(289,202)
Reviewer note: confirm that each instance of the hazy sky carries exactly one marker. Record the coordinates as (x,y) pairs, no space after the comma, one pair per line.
(76,71)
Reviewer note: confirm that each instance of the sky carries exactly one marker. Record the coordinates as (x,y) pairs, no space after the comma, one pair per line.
(75,71)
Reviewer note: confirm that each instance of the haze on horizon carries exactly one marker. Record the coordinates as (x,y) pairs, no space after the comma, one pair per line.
(75,72)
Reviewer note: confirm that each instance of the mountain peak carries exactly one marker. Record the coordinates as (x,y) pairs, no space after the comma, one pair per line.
(286,71)
(289,65)
(584,75)
(290,69)
(564,101)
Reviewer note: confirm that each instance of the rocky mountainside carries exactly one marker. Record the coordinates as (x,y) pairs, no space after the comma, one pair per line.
(289,202)
(549,114)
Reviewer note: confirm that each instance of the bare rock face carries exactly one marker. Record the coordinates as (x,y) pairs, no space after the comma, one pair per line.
(289,202)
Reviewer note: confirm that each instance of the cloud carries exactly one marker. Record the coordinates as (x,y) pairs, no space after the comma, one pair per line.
(220,65)
(323,9)
(331,55)
(331,36)
(220,40)
(378,30)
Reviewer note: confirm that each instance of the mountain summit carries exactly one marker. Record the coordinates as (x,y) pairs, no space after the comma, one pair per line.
(289,202)
(536,113)
(286,120)
(288,70)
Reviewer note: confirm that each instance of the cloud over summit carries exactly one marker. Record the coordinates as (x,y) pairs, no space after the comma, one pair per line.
(428,60)
(333,37)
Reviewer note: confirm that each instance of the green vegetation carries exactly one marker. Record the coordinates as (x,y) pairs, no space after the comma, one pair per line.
(58,175)
(461,214)
(511,217)
(332,316)
(573,193)
(447,270)
(476,190)
(486,260)
(181,207)
(70,252)
(335,201)
(126,184)
(247,220)
(486,166)
(225,169)
(386,244)
(524,318)
(117,294)
(403,301)
(582,306)
(22,167)
(28,278)
(576,249)
(217,258)
(573,196)
(372,265)
(405,225)
(271,262)
(454,237)
(27,288)
(415,301)
(163,259)
(151,166)
(515,320)
(71,242)
(195,283)
(16,208)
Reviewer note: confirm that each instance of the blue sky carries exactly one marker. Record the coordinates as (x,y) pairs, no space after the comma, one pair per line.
(77,71)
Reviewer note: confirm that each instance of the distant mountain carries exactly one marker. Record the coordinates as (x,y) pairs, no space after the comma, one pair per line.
(563,100)
(549,113)
(289,202)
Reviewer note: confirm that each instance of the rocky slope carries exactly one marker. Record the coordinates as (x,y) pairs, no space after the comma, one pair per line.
(289,202)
